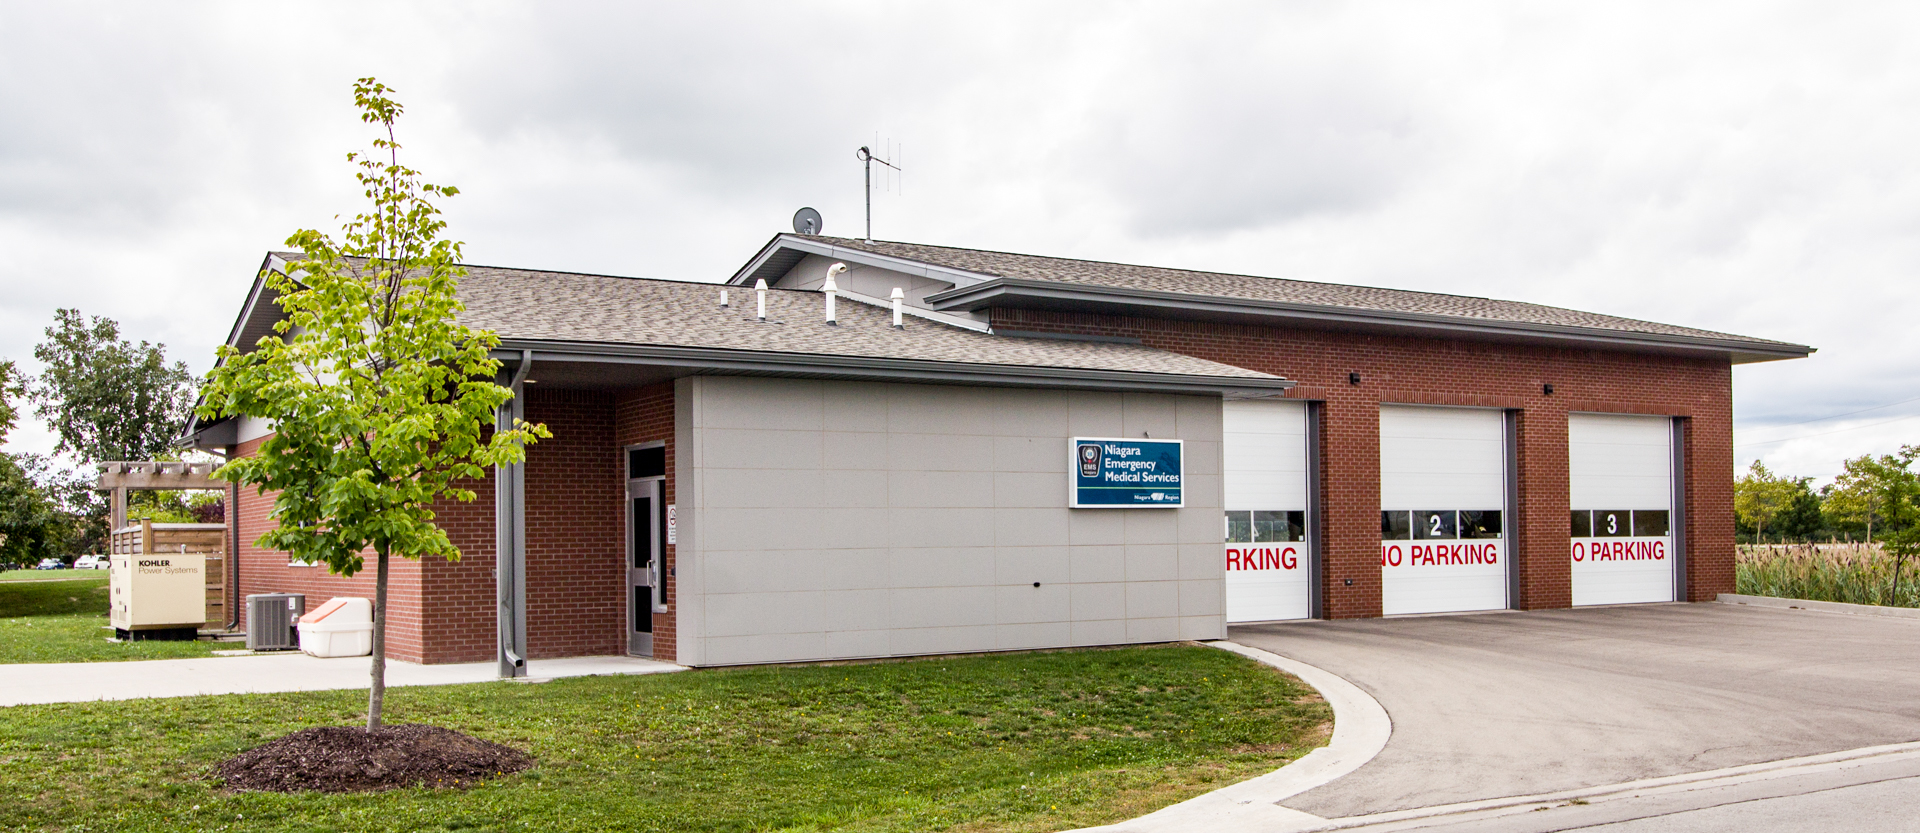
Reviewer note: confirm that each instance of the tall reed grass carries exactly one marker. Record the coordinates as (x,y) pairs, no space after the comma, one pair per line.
(1852,573)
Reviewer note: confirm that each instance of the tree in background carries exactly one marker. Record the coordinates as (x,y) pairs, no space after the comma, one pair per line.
(31,526)
(1855,496)
(381,402)
(107,398)
(1760,495)
(1896,491)
(1801,520)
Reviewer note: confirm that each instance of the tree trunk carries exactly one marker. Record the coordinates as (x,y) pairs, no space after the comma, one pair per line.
(377,693)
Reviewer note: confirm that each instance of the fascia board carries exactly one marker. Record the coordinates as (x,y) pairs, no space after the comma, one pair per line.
(800,243)
(1001,290)
(889,369)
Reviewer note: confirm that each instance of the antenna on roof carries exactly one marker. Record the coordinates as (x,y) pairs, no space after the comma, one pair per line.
(867,158)
(807,221)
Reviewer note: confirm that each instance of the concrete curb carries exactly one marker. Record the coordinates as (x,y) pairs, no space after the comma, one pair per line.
(1360,730)
(1822,607)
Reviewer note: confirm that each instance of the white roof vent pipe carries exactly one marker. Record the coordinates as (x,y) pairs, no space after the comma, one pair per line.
(760,291)
(723,299)
(832,290)
(899,297)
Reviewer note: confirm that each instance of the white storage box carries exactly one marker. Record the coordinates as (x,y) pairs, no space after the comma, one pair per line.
(343,627)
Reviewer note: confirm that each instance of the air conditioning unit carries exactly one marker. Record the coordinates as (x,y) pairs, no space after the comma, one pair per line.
(270,620)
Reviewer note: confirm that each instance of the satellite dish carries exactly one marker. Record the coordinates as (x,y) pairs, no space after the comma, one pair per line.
(806,221)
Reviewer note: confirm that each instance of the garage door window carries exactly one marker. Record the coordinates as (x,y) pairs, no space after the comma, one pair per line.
(1266,525)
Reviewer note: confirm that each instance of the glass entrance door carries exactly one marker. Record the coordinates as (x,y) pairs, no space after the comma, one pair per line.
(645,512)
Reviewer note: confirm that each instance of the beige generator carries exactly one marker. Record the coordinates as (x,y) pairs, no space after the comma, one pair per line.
(158,579)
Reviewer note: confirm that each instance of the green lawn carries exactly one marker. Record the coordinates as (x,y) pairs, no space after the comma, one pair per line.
(45,575)
(65,621)
(1018,742)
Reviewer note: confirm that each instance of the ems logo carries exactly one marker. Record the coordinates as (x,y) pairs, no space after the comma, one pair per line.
(1089,460)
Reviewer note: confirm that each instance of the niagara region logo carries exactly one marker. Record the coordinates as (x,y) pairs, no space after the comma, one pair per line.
(1090,460)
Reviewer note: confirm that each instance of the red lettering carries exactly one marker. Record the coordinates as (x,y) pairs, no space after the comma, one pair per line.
(1288,559)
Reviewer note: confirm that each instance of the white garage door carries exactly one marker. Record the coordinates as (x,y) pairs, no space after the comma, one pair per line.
(1620,485)
(1265,481)
(1442,489)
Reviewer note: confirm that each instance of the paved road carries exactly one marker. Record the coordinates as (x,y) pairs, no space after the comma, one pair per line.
(1505,704)
(1872,798)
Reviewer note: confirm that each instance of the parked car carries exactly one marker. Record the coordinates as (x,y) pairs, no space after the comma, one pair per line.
(52,564)
(91,562)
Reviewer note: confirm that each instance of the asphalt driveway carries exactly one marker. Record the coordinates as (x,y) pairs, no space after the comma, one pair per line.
(1502,704)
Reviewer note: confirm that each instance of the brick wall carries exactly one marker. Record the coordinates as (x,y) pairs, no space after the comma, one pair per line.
(266,571)
(1439,371)
(645,415)
(576,585)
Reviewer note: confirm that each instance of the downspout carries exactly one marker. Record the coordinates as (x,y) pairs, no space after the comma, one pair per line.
(510,536)
(236,617)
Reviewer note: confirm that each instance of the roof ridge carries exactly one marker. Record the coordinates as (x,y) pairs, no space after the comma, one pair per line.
(1199,272)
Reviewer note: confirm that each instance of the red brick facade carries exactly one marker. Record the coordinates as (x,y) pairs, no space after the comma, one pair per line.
(575,516)
(1439,371)
(576,593)
(462,624)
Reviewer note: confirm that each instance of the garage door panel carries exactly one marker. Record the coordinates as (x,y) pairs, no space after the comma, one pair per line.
(1424,490)
(1438,462)
(1443,590)
(1620,489)
(1264,460)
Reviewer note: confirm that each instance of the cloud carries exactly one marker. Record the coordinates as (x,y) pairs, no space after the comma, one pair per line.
(1733,166)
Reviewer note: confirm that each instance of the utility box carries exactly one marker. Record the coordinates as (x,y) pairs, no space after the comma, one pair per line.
(342,627)
(270,620)
(157,595)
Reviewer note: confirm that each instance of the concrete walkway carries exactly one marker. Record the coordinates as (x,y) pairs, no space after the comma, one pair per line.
(1514,704)
(78,682)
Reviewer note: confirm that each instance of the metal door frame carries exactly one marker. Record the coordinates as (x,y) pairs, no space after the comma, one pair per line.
(654,488)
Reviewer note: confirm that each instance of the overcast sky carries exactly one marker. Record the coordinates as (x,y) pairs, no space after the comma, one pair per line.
(1747,167)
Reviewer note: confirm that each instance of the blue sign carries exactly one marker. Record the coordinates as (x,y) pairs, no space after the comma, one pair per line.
(1116,474)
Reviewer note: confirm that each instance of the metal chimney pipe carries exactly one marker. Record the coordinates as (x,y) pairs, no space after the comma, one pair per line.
(899,298)
(832,291)
(760,291)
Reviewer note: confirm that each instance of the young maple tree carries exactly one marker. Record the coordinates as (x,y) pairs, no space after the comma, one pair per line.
(380,401)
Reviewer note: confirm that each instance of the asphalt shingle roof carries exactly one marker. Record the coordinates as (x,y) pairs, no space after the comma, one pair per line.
(1281,290)
(563,306)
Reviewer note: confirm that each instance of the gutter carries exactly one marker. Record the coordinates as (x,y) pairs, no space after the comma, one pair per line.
(1002,291)
(752,362)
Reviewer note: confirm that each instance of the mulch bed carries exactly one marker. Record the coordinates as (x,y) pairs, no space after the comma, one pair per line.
(338,759)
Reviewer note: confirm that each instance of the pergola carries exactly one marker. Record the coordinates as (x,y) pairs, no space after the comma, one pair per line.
(120,477)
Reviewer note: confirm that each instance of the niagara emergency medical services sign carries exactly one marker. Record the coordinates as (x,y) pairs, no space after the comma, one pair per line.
(1117,474)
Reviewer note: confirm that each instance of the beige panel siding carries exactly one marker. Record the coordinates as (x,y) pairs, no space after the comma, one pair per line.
(839,519)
